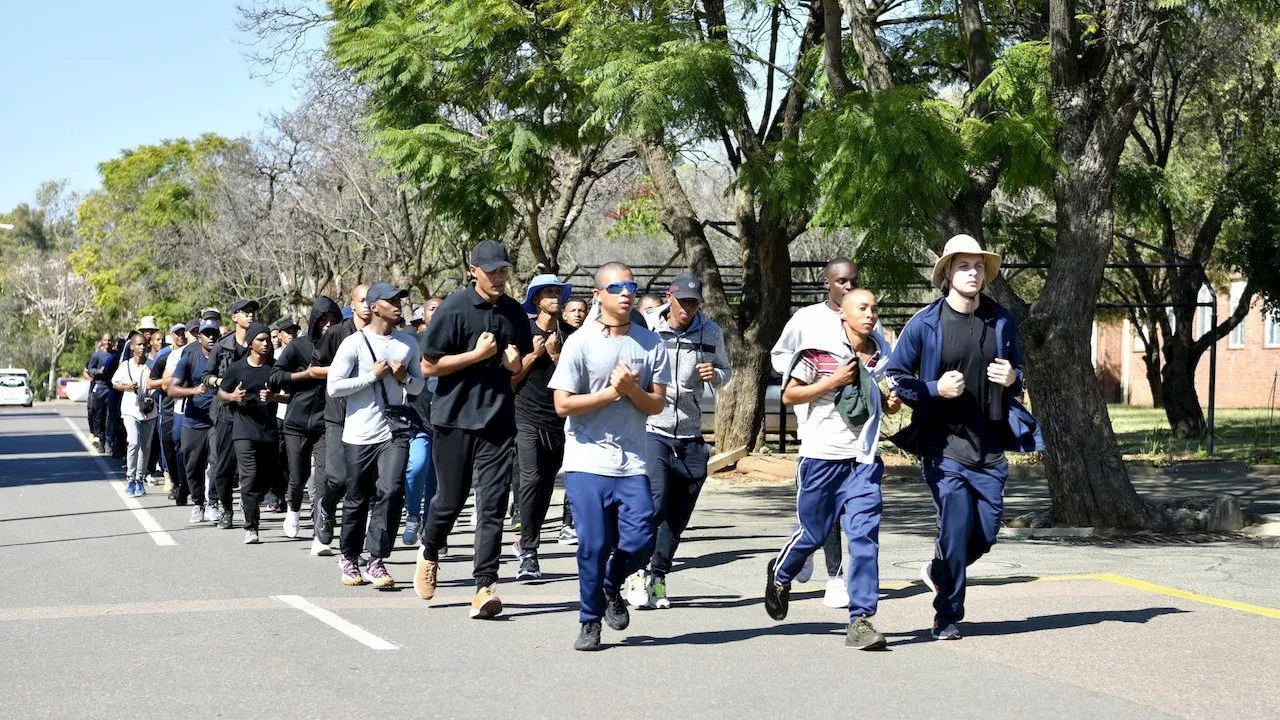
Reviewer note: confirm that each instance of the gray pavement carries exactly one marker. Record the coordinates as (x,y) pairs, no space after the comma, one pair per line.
(99,621)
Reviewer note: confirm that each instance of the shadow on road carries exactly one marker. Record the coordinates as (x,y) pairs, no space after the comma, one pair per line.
(1046,623)
(721,637)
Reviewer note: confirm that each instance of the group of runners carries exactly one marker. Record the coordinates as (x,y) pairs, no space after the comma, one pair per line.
(478,393)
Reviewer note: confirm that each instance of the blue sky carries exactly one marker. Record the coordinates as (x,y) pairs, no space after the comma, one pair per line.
(84,80)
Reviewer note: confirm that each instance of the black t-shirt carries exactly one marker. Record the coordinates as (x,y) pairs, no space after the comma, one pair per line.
(335,408)
(422,401)
(480,395)
(969,345)
(254,420)
(535,402)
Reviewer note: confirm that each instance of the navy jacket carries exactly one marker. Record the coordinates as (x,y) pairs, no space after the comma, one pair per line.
(914,369)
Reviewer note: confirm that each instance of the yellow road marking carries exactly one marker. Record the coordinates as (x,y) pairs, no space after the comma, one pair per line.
(1185,595)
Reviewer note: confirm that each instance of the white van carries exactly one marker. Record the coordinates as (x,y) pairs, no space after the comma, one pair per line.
(15,387)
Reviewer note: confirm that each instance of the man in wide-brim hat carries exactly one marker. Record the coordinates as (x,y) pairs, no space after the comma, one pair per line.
(958,364)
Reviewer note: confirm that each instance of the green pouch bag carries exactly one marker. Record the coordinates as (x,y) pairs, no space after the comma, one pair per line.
(854,401)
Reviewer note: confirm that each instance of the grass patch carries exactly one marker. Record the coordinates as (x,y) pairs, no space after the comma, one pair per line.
(1247,435)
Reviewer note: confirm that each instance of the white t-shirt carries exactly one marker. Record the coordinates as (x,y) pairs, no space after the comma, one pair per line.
(824,434)
(351,376)
(171,364)
(131,372)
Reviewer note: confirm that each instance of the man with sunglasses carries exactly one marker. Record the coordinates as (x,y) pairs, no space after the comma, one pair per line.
(833,384)
(612,375)
(474,346)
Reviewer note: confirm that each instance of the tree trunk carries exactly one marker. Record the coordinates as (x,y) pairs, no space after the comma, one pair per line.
(1181,402)
(1087,479)
(1151,361)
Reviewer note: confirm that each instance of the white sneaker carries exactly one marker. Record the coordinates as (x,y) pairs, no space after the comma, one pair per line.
(837,593)
(214,513)
(568,536)
(319,549)
(197,514)
(251,537)
(291,524)
(806,572)
(637,589)
(927,578)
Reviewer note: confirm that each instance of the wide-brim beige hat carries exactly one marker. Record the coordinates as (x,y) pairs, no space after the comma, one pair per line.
(963,245)
(148,323)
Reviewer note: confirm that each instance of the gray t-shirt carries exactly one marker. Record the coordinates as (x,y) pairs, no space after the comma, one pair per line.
(609,441)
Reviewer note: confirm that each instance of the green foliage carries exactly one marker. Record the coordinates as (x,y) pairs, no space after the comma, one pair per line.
(1019,133)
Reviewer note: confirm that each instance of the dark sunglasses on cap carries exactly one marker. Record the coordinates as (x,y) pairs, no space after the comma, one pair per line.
(617,288)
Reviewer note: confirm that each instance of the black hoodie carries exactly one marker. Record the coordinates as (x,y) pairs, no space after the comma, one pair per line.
(305,412)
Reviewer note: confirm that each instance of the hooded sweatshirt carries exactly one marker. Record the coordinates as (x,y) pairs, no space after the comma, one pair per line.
(306,405)
(701,342)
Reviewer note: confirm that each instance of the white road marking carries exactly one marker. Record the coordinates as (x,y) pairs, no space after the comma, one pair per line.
(351,630)
(144,518)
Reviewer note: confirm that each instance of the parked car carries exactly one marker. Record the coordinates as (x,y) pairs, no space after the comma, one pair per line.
(772,415)
(15,387)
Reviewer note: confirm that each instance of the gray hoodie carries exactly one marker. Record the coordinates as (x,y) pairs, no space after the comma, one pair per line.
(701,342)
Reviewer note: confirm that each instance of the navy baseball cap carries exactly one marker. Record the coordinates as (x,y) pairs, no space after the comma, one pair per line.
(489,255)
(383,291)
(210,327)
(685,286)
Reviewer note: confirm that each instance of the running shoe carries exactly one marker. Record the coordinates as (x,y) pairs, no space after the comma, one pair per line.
(197,514)
(777,596)
(926,576)
(658,593)
(862,635)
(350,569)
(588,637)
(410,531)
(945,631)
(320,549)
(637,590)
(486,603)
(806,571)
(251,537)
(568,535)
(529,567)
(376,572)
(424,576)
(130,489)
(517,550)
(214,513)
(139,489)
(837,595)
(324,525)
(226,520)
(616,614)
(291,521)
(168,486)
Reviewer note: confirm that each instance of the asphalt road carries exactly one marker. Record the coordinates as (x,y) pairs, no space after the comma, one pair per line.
(120,609)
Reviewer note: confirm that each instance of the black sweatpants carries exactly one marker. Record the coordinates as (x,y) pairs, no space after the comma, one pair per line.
(280,483)
(301,448)
(256,463)
(465,459)
(224,460)
(375,497)
(195,456)
(677,469)
(99,406)
(539,453)
(332,484)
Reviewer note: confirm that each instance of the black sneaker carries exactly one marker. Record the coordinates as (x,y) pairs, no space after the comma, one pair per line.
(588,637)
(615,610)
(226,521)
(529,567)
(173,495)
(945,631)
(777,596)
(862,635)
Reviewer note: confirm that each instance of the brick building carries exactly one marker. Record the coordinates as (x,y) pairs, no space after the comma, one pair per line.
(1248,358)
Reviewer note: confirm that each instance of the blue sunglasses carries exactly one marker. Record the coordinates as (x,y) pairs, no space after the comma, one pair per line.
(616,288)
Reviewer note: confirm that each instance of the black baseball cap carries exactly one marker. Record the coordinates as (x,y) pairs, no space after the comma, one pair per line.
(686,285)
(489,255)
(211,314)
(245,306)
(286,324)
(384,291)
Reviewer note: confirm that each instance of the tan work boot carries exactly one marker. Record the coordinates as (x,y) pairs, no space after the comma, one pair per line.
(486,603)
(424,577)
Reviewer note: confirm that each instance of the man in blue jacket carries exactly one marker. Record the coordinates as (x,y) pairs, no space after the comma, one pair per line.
(958,364)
